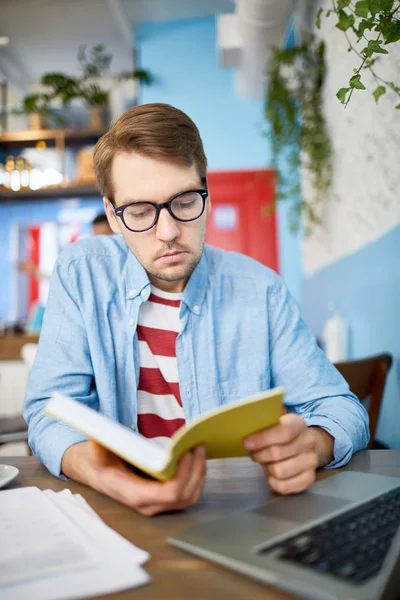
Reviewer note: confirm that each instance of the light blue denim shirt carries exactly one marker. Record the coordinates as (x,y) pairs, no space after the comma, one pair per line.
(241,333)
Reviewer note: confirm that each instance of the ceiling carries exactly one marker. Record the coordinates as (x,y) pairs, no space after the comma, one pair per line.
(45,34)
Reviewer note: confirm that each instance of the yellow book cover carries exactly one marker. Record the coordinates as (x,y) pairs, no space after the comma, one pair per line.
(221,430)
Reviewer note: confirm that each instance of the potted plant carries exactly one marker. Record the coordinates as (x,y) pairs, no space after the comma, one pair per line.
(37,108)
(90,86)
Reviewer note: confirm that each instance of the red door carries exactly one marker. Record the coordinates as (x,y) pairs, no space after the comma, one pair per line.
(241,216)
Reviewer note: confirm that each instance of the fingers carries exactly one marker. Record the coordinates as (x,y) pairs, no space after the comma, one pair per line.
(183,490)
(305,442)
(294,485)
(287,454)
(195,484)
(287,469)
(289,427)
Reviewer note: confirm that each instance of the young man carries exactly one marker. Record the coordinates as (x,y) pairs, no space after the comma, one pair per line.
(153,328)
(101,226)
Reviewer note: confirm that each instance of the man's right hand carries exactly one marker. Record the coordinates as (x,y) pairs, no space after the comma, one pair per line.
(95,466)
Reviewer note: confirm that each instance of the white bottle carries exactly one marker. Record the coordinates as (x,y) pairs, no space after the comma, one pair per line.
(336,337)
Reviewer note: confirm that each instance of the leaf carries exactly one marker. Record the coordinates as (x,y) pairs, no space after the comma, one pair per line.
(380,90)
(393,33)
(345,21)
(374,6)
(362,9)
(365,24)
(375,46)
(341,95)
(355,82)
(342,4)
(398,106)
(318,18)
(387,5)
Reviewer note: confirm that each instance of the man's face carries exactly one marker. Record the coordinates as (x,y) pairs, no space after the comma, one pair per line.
(170,250)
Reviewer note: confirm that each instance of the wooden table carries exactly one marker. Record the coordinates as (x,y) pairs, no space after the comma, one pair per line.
(232,484)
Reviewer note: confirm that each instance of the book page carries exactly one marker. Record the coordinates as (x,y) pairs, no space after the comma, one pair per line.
(129,445)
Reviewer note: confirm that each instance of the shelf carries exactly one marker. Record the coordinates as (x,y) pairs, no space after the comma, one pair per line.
(50,193)
(68,136)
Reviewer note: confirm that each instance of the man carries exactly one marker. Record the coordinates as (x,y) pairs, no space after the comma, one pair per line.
(101,226)
(153,328)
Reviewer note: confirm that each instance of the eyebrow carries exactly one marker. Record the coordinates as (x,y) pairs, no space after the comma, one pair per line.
(187,189)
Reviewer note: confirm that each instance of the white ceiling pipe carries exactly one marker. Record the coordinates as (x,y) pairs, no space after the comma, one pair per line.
(262,25)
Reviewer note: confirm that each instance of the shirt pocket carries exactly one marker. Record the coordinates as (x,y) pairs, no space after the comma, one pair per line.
(239,388)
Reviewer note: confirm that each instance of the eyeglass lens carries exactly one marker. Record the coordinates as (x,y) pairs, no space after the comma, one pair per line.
(185,207)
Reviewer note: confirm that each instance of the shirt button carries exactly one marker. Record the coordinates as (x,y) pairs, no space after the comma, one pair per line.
(132,293)
(144,293)
(131,322)
(133,426)
(188,392)
(196,309)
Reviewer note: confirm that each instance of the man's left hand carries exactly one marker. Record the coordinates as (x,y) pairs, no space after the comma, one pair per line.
(290,453)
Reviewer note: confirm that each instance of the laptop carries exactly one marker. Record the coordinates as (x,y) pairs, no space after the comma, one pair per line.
(339,540)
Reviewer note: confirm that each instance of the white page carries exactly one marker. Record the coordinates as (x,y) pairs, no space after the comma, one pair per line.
(74,499)
(116,570)
(111,543)
(80,584)
(118,438)
(35,533)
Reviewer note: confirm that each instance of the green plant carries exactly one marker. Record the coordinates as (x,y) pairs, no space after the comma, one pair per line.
(298,131)
(38,103)
(376,25)
(94,65)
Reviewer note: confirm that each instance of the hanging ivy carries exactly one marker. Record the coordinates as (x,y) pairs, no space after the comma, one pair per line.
(375,25)
(298,130)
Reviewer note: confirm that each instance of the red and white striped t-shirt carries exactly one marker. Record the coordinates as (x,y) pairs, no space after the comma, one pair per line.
(160,411)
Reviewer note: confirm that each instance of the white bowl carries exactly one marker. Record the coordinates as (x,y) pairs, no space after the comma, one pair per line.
(7,474)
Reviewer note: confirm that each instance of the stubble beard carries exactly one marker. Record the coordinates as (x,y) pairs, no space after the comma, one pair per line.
(180,272)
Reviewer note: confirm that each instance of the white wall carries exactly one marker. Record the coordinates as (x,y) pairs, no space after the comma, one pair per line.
(365,198)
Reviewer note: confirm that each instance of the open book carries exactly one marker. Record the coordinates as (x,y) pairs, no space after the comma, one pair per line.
(221,430)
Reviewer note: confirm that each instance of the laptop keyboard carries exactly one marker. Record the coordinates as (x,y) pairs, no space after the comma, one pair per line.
(351,546)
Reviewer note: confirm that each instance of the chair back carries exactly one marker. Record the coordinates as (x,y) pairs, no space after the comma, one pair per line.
(367,378)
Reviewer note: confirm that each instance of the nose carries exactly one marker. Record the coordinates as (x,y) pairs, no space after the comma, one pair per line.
(167,228)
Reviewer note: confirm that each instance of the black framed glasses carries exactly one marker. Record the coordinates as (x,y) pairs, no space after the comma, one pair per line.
(141,216)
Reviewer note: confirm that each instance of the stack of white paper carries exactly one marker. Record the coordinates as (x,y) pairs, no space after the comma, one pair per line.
(53,546)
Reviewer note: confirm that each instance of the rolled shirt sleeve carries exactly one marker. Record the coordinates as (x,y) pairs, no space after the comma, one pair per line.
(314,388)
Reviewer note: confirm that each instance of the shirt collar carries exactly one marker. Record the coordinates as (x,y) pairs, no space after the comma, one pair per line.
(195,290)
(136,280)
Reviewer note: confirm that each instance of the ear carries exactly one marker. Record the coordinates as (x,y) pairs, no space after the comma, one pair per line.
(208,204)
(111,217)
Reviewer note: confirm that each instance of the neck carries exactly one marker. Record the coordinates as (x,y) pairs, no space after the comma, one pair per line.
(174,287)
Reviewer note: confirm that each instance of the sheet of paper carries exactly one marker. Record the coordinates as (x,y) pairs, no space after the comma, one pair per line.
(75,499)
(111,543)
(63,528)
(35,533)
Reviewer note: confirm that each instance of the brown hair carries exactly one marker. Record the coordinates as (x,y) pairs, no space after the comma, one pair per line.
(155,130)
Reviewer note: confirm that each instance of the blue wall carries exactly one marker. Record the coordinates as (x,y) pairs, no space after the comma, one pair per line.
(365,289)
(182,56)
